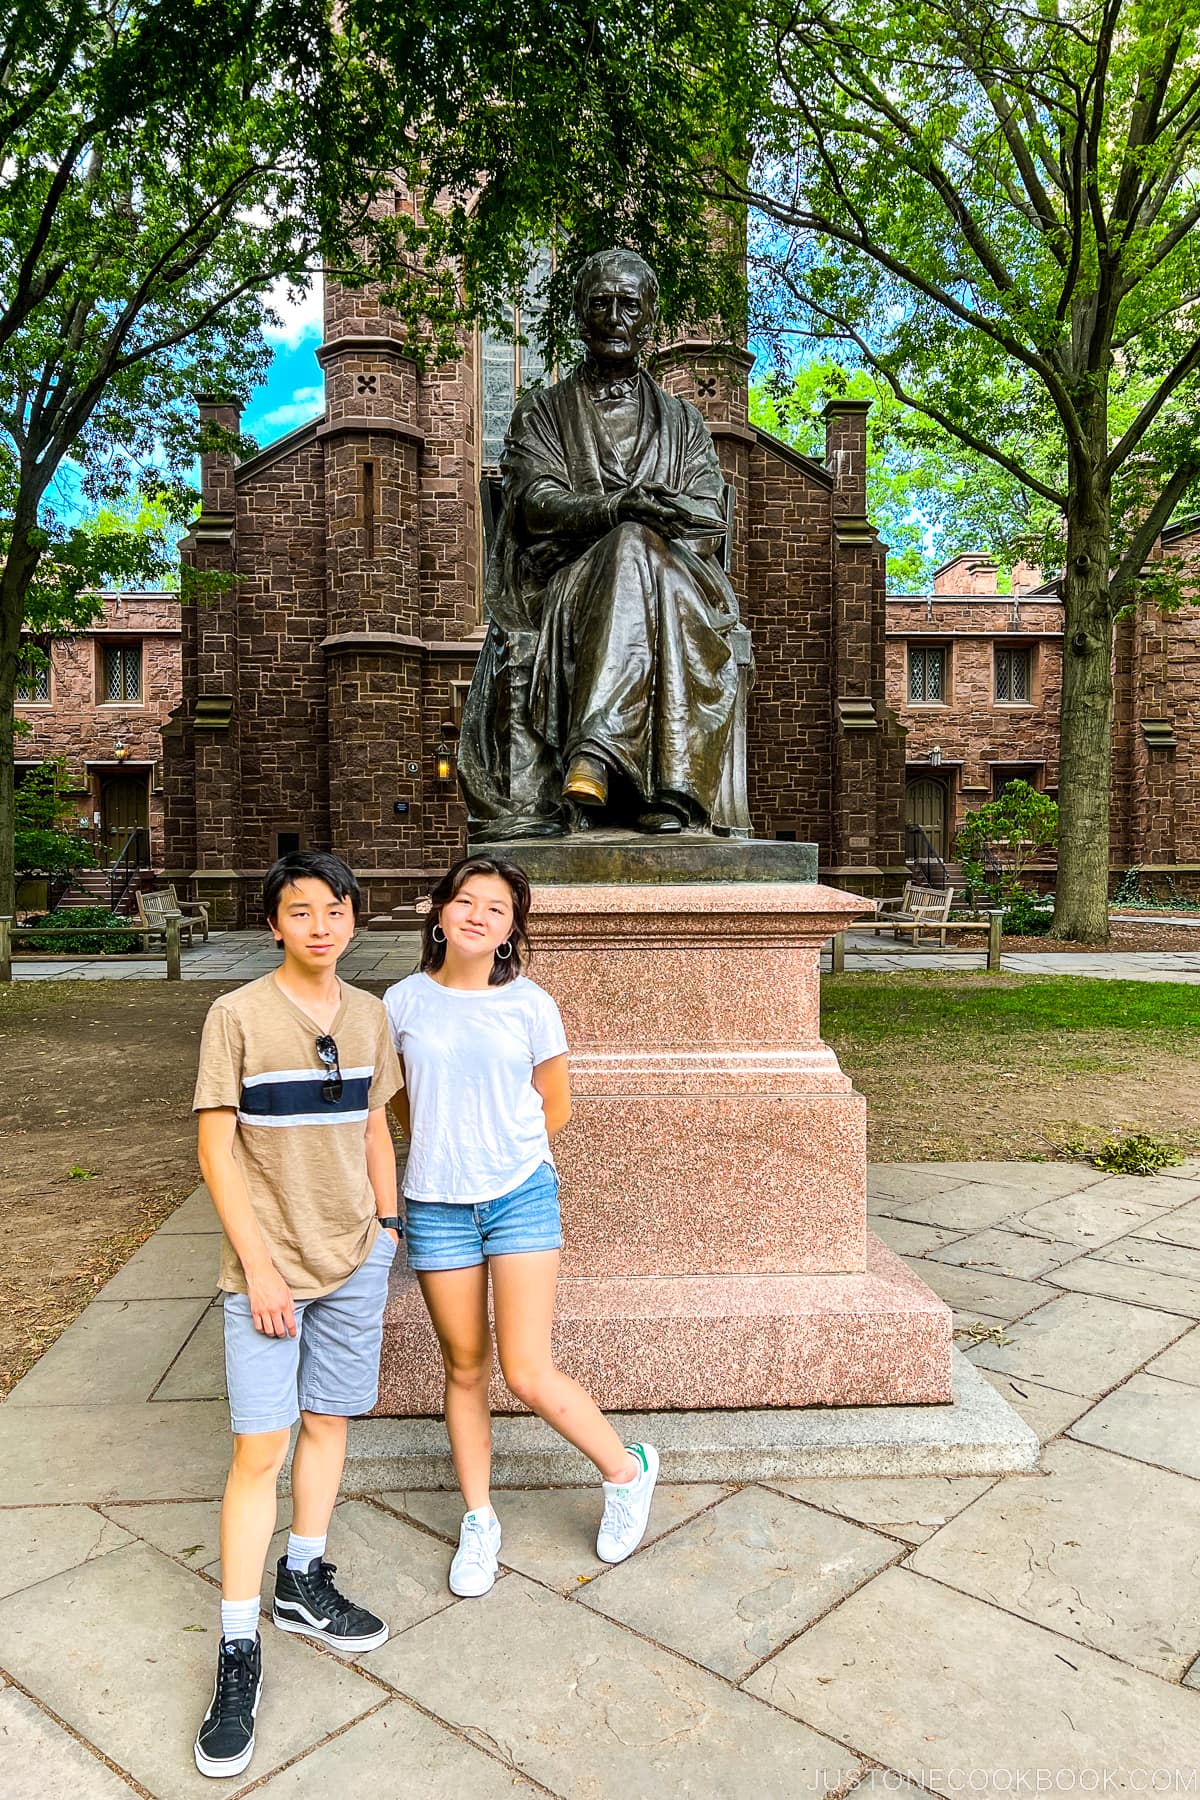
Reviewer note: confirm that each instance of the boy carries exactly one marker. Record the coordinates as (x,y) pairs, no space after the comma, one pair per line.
(296,1070)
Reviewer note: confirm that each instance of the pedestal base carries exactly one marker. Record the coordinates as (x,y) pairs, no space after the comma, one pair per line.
(713,1341)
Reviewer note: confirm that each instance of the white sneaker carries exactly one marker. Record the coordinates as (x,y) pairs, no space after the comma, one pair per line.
(473,1571)
(627,1508)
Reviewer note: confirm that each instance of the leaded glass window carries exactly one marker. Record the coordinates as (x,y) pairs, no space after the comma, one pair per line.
(33,676)
(509,366)
(122,672)
(1012,675)
(926,672)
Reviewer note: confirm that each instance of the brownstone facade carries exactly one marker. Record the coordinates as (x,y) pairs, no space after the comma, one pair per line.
(976,678)
(101,706)
(320,682)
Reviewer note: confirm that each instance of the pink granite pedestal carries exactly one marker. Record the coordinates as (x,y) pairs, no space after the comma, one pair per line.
(714,1173)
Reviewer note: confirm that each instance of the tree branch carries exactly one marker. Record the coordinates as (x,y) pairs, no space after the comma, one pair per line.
(1144,539)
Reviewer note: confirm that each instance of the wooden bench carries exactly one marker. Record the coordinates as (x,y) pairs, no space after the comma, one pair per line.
(920,909)
(992,925)
(154,909)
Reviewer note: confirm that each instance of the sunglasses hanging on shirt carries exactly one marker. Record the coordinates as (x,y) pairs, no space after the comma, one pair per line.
(331,1087)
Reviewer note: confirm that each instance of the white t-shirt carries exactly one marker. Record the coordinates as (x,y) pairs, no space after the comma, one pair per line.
(478,1126)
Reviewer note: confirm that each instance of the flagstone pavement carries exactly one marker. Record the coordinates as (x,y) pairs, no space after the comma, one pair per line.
(1034,1633)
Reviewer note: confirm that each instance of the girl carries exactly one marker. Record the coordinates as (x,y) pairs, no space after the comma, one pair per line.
(486,1088)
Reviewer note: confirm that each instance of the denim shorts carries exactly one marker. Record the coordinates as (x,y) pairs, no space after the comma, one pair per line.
(330,1366)
(444,1236)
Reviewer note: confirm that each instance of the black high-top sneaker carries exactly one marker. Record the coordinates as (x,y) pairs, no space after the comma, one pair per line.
(307,1601)
(225,1740)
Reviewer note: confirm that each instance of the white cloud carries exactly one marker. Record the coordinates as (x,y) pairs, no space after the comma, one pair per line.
(304,404)
(301,313)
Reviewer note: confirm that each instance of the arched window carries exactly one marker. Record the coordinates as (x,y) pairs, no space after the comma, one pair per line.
(507,366)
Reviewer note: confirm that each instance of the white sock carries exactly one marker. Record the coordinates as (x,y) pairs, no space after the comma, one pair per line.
(301,1550)
(239,1618)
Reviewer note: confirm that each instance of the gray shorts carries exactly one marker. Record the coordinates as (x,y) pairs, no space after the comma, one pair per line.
(330,1366)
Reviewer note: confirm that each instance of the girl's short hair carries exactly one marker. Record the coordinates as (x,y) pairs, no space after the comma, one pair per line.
(504,968)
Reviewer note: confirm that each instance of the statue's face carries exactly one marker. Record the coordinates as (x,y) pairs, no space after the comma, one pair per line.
(616,315)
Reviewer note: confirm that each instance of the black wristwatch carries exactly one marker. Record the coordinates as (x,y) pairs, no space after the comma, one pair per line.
(392,1223)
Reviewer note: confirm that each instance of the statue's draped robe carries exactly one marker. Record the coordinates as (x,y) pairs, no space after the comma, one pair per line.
(605,639)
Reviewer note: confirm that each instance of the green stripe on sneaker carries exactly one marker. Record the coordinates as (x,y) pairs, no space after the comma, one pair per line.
(640,1454)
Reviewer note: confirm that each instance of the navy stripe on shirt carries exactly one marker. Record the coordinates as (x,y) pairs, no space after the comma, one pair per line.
(290,1098)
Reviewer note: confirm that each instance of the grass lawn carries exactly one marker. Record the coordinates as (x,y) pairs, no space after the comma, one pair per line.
(966,1066)
(97,1143)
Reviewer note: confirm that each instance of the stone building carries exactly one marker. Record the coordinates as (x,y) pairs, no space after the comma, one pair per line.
(976,678)
(99,700)
(323,684)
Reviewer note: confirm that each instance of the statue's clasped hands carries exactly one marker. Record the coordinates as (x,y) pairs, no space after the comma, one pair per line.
(660,507)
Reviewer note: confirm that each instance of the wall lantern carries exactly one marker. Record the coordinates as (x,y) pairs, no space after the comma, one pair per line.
(935,757)
(120,750)
(445,760)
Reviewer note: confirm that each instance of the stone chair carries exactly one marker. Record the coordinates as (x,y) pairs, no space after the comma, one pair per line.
(731,813)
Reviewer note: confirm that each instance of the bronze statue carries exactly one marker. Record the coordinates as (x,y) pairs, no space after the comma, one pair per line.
(605,691)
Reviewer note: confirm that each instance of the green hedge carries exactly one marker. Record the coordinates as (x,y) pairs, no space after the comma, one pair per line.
(79,941)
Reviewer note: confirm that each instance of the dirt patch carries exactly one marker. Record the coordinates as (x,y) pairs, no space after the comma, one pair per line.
(1122,937)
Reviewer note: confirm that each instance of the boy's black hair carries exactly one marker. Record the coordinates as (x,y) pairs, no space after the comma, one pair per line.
(315,865)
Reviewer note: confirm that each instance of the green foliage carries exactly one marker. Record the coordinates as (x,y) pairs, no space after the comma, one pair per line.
(928,495)
(911,1010)
(1138,1154)
(1130,896)
(1027,915)
(40,845)
(78,940)
(999,839)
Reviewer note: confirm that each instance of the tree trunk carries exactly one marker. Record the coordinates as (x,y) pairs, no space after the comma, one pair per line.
(15,577)
(1085,742)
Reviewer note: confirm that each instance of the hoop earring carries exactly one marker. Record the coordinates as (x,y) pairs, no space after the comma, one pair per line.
(438,935)
(504,951)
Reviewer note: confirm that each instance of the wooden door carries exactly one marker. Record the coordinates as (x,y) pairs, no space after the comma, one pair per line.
(124,805)
(925,806)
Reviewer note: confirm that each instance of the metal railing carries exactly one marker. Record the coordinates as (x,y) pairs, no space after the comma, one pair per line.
(923,858)
(130,861)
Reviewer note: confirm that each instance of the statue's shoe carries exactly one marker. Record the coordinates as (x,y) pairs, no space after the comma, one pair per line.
(586,782)
(659,821)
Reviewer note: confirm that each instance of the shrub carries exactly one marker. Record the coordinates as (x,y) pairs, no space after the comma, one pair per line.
(1139,1154)
(80,941)
(998,839)
(1028,915)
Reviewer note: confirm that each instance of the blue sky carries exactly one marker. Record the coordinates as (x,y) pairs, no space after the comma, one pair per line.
(292,392)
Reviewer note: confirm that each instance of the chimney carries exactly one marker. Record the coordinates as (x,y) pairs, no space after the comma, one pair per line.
(846,453)
(217,466)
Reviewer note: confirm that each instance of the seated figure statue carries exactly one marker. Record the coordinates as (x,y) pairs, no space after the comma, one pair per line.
(606,688)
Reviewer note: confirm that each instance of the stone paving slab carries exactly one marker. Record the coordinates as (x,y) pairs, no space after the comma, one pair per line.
(195,1214)
(1149,1419)
(398,1571)
(550,1533)
(908,1239)
(1022,1256)
(1181,1362)
(114,1352)
(908,1181)
(123,1650)
(397,1754)
(198,1371)
(595,1713)
(65,1770)
(1080,1343)
(910,1507)
(51,1454)
(37,1542)
(1123,1281)
(1087,1219)
(971,1206)
(1095,1547)
(190,1531)
(1181,1226)
(1045,1410)
(936,1685)
(1148,1253)
(168,1267)
(728,1588)
(999,1296)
